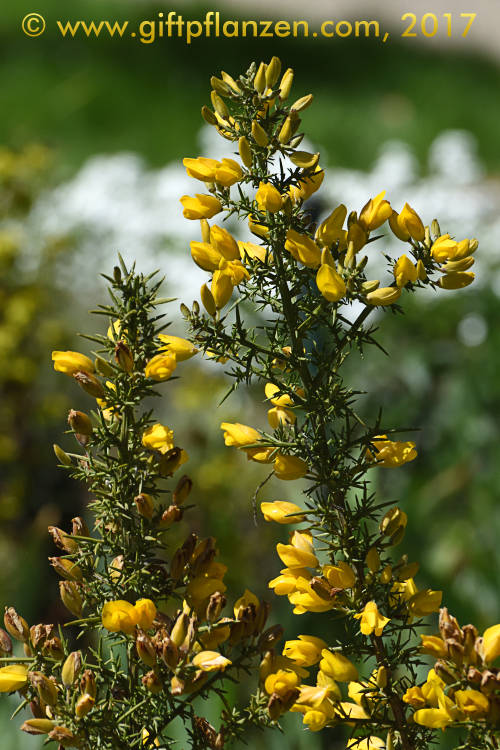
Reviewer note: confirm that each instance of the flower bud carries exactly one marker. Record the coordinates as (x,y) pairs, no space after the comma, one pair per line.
(45,687)
(275,707)
(382,676)
(63,540)
(445,672)
(53,648)
(89,383)
(169,462)
(65,737)
(87,683)
(272,71)
(182,490)
(179,630)
(245,151)
(169,516)
(84,704)
(37,726)
(286,84)
(145,505)
(66,568)
(103,367)
(393,525)
(5,643)
(124,356)
(220,87)
(259,82)
(216,604)
(372,560)
(219,105)
(145,649)
(80,422)
(61,455)
(15,625)
(71,598)
(270,638)
(302,103)
(259,134)
(71,668)
(208,115)
(208,301)
(152,682)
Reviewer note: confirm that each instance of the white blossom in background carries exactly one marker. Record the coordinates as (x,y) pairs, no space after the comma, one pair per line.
(116,204)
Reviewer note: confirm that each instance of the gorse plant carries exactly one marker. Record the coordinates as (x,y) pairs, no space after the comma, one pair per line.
(310,285)
(146,604)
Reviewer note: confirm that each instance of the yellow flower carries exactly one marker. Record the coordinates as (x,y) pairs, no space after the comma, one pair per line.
(305,599)
(305,651)
(434,646)
(307,185)
(340,576)
(391,453)
(235,270)
(224,243)
(158,437)
(404,271)
(386,295)
(268,198)
(337,666)
(182,348)
(244,601)
(239,435)
(201,206)
(375,212)
(70,362)
(146,613)
(222,289)
(282,511)
(161,366)
(330,283)
(414,697)
(300,552)
(205,255)
(119,616)
(210,661)
(351,711)
(472,703)
(145,734)
(282,681)
(330,230)
(369,743)
(201,168)
(456,280)
(249,250)
(279,416)
(407,224)
(303,248)
(434,718)
(286,582)
(371,619)
(227,172)
(425,602)
(289,467)
(491,644)
(315,719)
(13,677)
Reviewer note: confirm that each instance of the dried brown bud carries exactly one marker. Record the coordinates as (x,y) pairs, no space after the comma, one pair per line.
(80,422)
(170,516)
(444,671)
(71,597)
(79,527)
(169,462)
(270,637)
(65,737)
(145,649)
(15,625)
(216,604)
(124,357)
(275,706)
(88,684)
(53,648)
(63,540)
(84,704)
(66,568)
(89,383)
(37,726)
(152,682)
(448,626)
(474,675)
(45,687)
(145,505)
(5,643)
(170,653)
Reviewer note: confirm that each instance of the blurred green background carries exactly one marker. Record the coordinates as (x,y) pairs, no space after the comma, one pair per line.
(63,102)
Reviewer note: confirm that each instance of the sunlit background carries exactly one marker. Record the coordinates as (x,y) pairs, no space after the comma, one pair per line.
(92,134)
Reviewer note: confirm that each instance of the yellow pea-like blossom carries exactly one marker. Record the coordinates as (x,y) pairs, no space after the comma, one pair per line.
(425,602)
(282,681)
(289,467)
(244,600)
(228,172)
(303,248)
(271,391)
(235,270)
(182,348)
(146,613)
(239,435)
(371,619)
(268,198)
(337,666)
(282,511)
(305,599)
(120,616)
(491,644)
(280,416)
(385,295)
(369,743)
(308,185)
(13,677)
(375,212)
(404,271)
(330,230)
(286,583)
(200,206)
(414,697)
(299,553)
(407,224)
(224,243)
(340,576)
(158,437)
(201,168)
(70,362)
(145,738)
(251,251)
(161,366)
(222,289)
(391,453)
(210,661)
(205,255)
(456,280)
(434,646)
(330,283)
(434,718)
(305,651)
